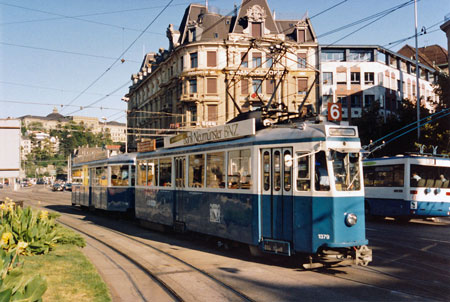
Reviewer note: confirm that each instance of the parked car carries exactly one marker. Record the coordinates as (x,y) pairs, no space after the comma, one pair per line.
(68,187)
(57,187)
(40,182)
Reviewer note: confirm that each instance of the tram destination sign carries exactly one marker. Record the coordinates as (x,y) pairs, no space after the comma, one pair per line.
(213,134)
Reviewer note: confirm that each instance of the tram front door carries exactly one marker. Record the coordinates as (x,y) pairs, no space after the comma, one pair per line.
(276,221)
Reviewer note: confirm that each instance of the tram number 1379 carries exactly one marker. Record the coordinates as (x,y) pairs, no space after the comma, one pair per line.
(323,236)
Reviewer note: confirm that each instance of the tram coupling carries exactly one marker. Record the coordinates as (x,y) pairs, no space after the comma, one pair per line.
(362,255)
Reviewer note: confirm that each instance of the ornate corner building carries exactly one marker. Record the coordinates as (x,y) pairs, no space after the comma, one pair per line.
(220,65)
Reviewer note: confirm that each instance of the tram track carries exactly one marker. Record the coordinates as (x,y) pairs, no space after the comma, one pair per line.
(227,292)
(390,275)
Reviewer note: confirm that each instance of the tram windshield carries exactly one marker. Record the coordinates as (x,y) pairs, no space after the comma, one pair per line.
(346,170)
(430,176)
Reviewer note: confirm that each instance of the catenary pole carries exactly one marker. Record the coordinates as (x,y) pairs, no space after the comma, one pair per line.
(417,74)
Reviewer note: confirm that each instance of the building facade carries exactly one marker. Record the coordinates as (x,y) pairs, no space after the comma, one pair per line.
(218,66)
(10,151)
(56,120)
(356,76)
(446,28)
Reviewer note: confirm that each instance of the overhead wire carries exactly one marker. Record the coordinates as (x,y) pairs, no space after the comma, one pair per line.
(121,55)
(63,51)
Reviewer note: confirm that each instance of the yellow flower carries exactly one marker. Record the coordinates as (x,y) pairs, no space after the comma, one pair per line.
(2,206)
(43,215)
(6,237)
(21,246)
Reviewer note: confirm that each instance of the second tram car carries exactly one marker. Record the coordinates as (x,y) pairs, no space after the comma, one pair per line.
(106,184)
(294,188)
(406,187)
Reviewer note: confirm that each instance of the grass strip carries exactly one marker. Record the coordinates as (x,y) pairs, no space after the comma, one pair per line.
(70,276)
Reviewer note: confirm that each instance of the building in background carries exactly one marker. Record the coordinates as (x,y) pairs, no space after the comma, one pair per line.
(356,76)
(446,28)
(217,66)
(433,56)
(10,151)
(56,120)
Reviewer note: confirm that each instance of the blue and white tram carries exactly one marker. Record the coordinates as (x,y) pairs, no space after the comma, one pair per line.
(405,187)
(287,189)
(106,184)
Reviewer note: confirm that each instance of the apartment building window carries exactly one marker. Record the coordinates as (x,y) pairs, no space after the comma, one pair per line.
(270,86)
(329,55)
(193,86)
(269,61)
(257,86)
(369,99)
(211,85)
(194,60)
(212,113)
(327,98)
(244,86)
(355,101)
(256,29)
(244,59)
(327,78)
(342,100)
(355,78)
(360,55)
(380,79)
(256,59)
(341,78)
(301,35)
(211,59)
(302,85)
(369,78)
(301,60)
(193,110)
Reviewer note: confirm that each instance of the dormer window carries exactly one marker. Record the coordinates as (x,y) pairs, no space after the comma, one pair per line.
(301,36)
(192,35)
(256,29)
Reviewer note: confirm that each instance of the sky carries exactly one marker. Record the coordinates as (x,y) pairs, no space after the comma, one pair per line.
(68,53)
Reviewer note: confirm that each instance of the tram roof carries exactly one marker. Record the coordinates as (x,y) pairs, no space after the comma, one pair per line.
(126,158)
(277,134)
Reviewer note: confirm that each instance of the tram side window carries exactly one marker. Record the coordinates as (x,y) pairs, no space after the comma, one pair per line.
(119,176)
(429,176)
(287,172)
(303,174)
(101,178)
(384,176)
(141,173)
(165,172)
(152,177)
(180,163)
(77,177)
(215,167)
(133,175)
(239,169)
(322,180)
(196,170)
(266,170)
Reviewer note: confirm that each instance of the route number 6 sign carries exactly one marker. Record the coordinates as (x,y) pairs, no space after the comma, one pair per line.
(334,111)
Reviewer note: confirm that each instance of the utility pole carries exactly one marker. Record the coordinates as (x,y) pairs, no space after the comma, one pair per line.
(417,75)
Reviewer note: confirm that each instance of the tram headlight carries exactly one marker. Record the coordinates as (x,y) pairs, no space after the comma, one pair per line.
(351,219)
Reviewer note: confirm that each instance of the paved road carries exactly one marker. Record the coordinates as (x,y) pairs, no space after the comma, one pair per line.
(411,263)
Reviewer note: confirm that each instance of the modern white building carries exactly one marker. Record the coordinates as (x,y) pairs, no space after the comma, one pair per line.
(9,151)
(358,75)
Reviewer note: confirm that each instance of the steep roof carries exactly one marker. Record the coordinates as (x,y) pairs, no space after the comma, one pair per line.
(435,53)
(431,56)
(246,9)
